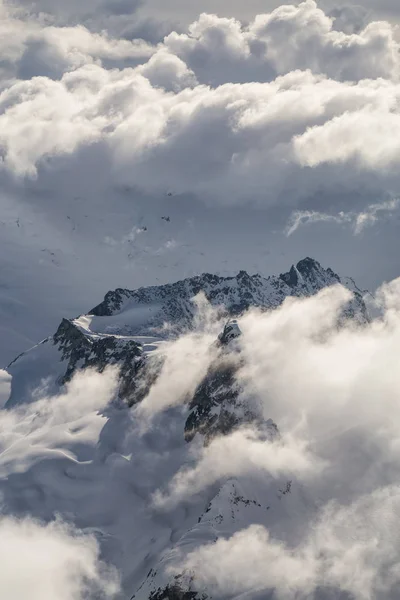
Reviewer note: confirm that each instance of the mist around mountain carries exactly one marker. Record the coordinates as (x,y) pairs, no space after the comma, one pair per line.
(205,439)
(184,416)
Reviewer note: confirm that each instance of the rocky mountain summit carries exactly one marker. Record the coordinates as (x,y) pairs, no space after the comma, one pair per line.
(130,325)
(172,304)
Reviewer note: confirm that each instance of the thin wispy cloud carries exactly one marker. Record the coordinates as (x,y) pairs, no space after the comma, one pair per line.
(358,221)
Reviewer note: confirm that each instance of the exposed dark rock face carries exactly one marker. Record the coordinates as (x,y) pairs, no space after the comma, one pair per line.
(175,592)
(216,408)
(231,331)
(111,304)
(212,408)
(290,278)
(82,351)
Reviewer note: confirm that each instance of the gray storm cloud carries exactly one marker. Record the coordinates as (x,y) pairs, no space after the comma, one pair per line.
(265,113)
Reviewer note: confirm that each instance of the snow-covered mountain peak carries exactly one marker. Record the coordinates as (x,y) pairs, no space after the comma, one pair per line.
(135,329)
(308,273)
(150,308)
(130,324)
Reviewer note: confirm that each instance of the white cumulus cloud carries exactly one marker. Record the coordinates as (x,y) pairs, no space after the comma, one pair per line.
(51,562)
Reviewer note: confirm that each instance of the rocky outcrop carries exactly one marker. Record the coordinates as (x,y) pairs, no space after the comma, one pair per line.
(215,408)
(218,405)
(176,592)
(230,332)
(82,351)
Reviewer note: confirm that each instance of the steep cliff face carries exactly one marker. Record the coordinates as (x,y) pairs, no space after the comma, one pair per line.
(175,591)
(82,351)
(216,407)
(58,358)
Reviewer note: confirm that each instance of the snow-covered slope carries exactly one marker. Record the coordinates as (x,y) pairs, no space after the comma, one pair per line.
(108,488)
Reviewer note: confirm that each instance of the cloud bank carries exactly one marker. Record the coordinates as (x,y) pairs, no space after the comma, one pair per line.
(242,453)
(51,562)
(334,394)
(5,387)
(351,550)
(229,112)
(51,559)
(43,428)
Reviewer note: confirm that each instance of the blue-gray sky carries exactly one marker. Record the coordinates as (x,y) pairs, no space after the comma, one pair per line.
(182,12)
